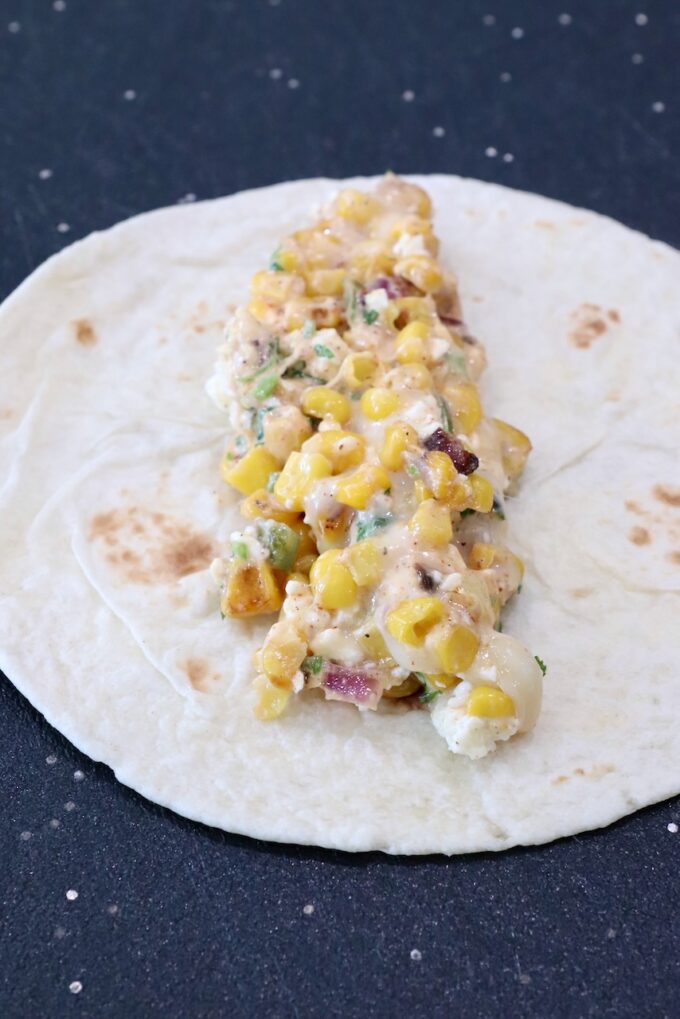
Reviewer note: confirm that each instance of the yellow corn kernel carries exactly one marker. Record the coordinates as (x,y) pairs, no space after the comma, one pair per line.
(342,449)
(515,447)
(410,349)
(359,369)
(262,505)
(356,489)
(251,472)
(365,561)
(300,471)
(422,271)
(410,376)
(251,590)
(333,527)
(463,400)
(411,225)
(285,428)
(431,523)
(325,282)
(440,681)
(332,583)
(263,312)
(455,648)
(321,402)
(325,312)
(379,403)
(270,700)
(419,200)
(441,474)
(355,206)
(481,556)
(417,330)
(371,640)
(413,619)
(405,689)
(288,260)
(276,287)
(370,259)
(282,653)
(421,491)
(482,493)
(398,438)
(461,494)
(490,702)
(307,544)
(413,309)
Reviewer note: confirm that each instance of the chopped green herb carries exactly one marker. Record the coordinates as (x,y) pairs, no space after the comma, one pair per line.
(282,542)
(467,512)
(274,263)
(355,396)
(312,665)
(541,664)
(297,370)
(497,508)
(350,296)
(445,413)
(457,362)
(412,470)
(265,387)
(257,423)
(222,614)
(230,456)
(272,357)
(499,627)
(308,329)
(428,696)
(240,443)
(369,525)
(323,351)
(271,480)
(239,548)
(370,315)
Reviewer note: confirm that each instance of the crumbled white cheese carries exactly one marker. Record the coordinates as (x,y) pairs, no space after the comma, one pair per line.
(489,672)
(438,347)
(400,673)
(218,571)
(468,734)
(338,645)
(409,244)
(423,415)
(256,552)
(376,300)
(298,682)
(452,582)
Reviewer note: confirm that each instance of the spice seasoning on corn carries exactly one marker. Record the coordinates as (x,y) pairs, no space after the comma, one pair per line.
(374,483)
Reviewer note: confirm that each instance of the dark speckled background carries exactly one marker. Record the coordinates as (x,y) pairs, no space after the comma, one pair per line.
(173,919)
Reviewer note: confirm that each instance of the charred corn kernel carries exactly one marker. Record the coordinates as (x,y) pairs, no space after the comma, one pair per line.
(463,400)
(431,523)
(270,700)
(455,648)
(398,438)
(276,287)
(251,590)
(307,544)
(410,347)
(332,583)
(490,702)
(365,562)
(441,474)
(288,260)
(359,369)
(321,402)
(333,527)
(285,428)
(413,309)
(355,206)
(342,449)
(379,403)
(326,282)
(405,689)
(413,619)
(441,681)
(421,491)
(515,447)
(482,493)
(282,653)
(356,489)
(262,312)
(299,472)
(371,641)
(261,505)
(422,271)
(481,556)
(251,472)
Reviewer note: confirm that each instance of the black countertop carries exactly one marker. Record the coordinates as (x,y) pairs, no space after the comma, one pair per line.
(112,107)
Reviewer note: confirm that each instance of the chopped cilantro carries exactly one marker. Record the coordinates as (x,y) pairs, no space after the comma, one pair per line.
(369,525)
(428,696)
(272,357)
(308,329)
(239,548)
(445,413)
(274,263)
(257,423)
(240,443)
(312,665)
(370,315)
(351,299)
(541,664)
(412,470)
(297,370)
(323,351)
(265,387)
(467,512)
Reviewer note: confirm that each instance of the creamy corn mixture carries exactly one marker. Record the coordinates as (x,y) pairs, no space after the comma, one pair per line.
(374,485)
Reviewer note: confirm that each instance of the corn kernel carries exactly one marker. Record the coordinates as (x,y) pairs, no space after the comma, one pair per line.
(490,702)
(332,583)
(282,653)
(333,526)
(325,282)
(261,505)
(276,287)
(515,447)
(482,493)
(262,312)
(355,206)
(270,700)
(410,349)
(455,648)
(431,523)
(410,376)
(421,491)
(251,472)
(300,471)
(288,260)
(422,271)
(285,428)
(321,402)
(405,689)
(417,330)
(398,438)
(441,473)
(342,449)
(481,556)
(365,562)
(413,619)
(441,681)
(413,309)
(371,640)
(463,399)
(379,403)
(356,489)
(359,369)
(251,590)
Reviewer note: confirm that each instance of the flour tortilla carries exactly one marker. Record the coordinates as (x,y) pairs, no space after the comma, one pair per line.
(111,509)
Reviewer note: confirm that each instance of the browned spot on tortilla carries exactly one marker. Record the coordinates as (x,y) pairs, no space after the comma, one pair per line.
(560,779)
(664,493)
(588,325)
(545,224)
(84,332)
(150,547)
(613,315)
(581,592)
(632,506)
(477,299)
(639,536)
(613,397)
(6,413)
(162,340)
(597,771)
(184,377)
(674,557)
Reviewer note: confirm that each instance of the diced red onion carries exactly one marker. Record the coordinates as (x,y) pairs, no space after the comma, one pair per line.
(353,685)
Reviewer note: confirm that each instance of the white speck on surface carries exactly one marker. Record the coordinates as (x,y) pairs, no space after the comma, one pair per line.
(489,20)
(59,5)
(438,131)
(308,909)
(508,157)
(611,933)
(641,19)
(187,198)
(408,95)
(505,76)
(14,27)
(524,978)
(63,228)
(75,987)
(658,107)
(69,805)
(72,895)
(25,836)
(517,33)
(416,954)
(293,83)
(564,19)
(112,910)
(51,759)
(672,827)
(491,152)
(45,175)
(55,822)
(129,94)
(78,776)
(637,58)
(275,73)
(60,932)
(274,3)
